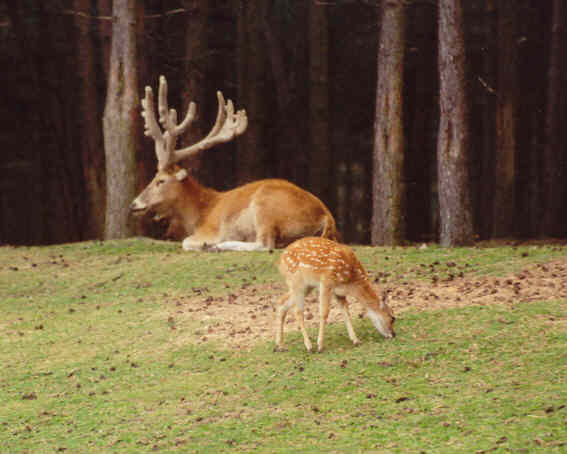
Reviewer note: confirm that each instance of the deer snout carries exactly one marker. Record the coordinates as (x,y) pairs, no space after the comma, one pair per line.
(137,206)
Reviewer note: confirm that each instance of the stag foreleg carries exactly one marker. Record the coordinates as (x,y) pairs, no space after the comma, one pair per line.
(266,237)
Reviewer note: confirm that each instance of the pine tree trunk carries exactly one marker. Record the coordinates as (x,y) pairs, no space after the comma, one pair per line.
(319,169)
(388,220)
(119,121)
(251,92)
(193,88)
(553,148)
(453,137)
(487,154)
(504,195)
(287,51)
(35,205)
(91,141)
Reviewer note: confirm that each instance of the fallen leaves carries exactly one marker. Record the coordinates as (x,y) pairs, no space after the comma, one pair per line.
(29,396)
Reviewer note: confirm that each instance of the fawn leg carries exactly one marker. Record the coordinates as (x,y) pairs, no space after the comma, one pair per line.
(343,303)
(284,305)
(324,308)
(299,297)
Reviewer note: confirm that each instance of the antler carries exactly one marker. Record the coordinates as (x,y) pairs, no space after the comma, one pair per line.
(228,125)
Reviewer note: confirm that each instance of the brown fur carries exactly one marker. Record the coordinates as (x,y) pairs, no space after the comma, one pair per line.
(270,212)
(337,272)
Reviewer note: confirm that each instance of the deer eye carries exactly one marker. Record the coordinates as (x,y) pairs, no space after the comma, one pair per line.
(159,182)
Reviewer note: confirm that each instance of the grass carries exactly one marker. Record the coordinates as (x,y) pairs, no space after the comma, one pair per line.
(91,362)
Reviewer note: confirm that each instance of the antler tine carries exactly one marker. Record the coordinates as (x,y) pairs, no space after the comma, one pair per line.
(152,129)
(168,119)
(227,126)
(163,109)
(238,121)
(235,123)
(221,116)
(189,117)
(164,141)
(242,122)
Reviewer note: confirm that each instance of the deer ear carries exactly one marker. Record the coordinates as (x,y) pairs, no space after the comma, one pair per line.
(181,174)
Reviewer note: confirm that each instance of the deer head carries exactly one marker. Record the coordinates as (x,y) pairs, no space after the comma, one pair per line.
(164,192)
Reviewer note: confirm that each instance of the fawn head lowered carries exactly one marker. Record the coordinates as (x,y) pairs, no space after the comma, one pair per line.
(337,272)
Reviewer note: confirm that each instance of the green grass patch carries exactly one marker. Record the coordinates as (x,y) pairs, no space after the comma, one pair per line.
(91,364)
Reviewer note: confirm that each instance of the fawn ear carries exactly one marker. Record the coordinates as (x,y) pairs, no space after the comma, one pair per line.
(181,174)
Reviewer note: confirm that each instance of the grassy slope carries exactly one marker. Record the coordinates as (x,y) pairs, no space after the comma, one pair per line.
(91,363)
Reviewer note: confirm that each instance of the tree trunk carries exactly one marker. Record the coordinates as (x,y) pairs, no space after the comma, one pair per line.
(251,90)
(194,79)
(485,208)
(388,220)
(55,199)
(553,148)
(504,195)
(120,120)
(287,51)
(453,137)
(420,121)
(531,123)
(91,142)
(17,204)
(319,169)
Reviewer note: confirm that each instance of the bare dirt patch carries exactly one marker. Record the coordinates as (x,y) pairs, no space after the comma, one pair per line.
(246,316)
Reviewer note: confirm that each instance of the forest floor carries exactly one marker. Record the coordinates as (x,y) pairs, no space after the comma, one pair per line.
(253,321)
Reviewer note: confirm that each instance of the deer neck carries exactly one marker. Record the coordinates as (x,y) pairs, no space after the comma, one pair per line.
(363,291)
(196,203)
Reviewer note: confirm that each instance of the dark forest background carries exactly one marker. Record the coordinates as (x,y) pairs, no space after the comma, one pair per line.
(306,72)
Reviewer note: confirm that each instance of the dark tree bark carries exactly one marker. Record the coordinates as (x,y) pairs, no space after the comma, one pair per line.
(16,203)
(553,154)
(388,220)
(120,120)
(504,195)
(251,90)
(287,50)
(55,200)
(90,144)
(533,52)
(319,168)
(453,138)
(193,81)
(420,122)
(487,87)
